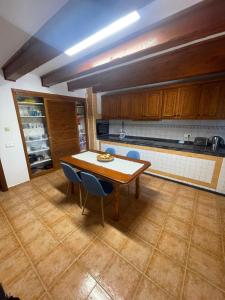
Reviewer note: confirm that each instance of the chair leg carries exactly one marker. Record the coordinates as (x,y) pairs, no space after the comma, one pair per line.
(102,208)
(80,195)
(68,192)
(86,196)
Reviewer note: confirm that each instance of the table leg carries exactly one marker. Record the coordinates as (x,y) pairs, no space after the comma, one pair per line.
(116,201)
(137,193)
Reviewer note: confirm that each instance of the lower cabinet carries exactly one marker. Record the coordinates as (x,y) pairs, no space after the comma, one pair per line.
(200,170)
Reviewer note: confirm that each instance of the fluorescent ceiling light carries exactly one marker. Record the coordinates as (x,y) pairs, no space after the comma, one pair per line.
(104,33)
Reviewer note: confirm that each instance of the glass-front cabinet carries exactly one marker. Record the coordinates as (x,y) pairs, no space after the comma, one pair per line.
(33,123)
(82,126)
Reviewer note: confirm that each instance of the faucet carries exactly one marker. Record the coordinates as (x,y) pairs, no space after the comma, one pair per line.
(122,131)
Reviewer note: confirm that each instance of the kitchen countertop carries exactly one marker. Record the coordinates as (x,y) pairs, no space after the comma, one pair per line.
(164,143)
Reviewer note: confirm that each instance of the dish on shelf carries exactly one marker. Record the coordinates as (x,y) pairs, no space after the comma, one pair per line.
(105,157)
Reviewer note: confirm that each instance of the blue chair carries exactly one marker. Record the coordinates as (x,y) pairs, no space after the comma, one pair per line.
(110,151)
(96,187)
(133,154)
(74,177)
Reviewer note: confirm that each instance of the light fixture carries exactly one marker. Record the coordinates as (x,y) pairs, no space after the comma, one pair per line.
(104,33)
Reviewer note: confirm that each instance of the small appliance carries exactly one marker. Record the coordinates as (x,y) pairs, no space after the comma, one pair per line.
(217,141)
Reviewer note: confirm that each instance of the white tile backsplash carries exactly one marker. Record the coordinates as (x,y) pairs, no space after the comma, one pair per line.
(170,129)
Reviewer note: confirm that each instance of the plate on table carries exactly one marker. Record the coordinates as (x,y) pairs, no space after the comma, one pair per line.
(105,157)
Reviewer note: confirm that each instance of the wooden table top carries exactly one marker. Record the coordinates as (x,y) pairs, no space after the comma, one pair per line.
(111,175)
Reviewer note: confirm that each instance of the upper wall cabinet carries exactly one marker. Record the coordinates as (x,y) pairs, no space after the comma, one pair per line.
(170,98)
(152,105)
(188,102)
(210,101)
(195,101)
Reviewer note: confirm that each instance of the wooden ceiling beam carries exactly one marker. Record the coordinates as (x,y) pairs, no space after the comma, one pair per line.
(206,57)
(185,26)
(75,21)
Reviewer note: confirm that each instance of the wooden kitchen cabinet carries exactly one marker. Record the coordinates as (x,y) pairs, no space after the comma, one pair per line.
(169,107)
(209,106)
(111,107)
(136,105)
(126,106)
(188,102)
(152,105)
(221,114)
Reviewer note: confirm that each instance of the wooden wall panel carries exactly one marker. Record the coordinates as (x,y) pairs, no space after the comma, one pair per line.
(62,127)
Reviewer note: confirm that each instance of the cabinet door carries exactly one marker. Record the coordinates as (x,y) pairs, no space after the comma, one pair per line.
(221,114)
(62,126)
(152,105)
(169,106)
(210,101)
(111,107)
(136,106)
(126,106)
(188,102)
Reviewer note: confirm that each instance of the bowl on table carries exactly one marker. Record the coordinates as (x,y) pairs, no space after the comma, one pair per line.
(106,157)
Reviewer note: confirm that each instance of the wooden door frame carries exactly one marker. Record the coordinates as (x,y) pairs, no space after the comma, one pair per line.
(3,183)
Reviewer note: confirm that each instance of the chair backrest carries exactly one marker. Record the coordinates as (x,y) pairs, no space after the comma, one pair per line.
(110,151)
(133,154)
(70,173)
(92,184)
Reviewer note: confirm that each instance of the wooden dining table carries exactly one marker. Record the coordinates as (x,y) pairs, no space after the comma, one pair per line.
(122,170)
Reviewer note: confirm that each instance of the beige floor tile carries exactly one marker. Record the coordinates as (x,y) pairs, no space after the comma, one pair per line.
(31,231)
(16,211)
(115,237)
(26,287)
(185,202)
(185,215)
(23,220)
(207,240)
(76,283)
(8,244)
(207,211)
(186,192)
(41,246)
(208,266)
(208,223)
(96,258)
(36,200)
(44,208)
(147,290)
(115,278)
(155,215)
(162,202)
(5,228)
(10,202)
(52,216)
(98,294)
(196,288)
(173,246)
(13,265)
(166,273)
(148,231)
(178,227)
(54,264)
(77,241)
(136,252)
(63,227)
(45,297)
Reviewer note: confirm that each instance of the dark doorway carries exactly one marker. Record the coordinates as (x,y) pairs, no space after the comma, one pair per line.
(3,184)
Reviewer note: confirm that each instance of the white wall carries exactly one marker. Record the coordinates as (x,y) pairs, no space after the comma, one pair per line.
(11,148)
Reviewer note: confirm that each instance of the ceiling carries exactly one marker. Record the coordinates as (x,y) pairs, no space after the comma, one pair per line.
(150,14)
(21,19)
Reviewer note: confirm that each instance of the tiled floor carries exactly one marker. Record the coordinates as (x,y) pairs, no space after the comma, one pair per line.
(169,244)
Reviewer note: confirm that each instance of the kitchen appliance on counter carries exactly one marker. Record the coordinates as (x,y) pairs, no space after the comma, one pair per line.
(102,127)
(201,141)
(217,141)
